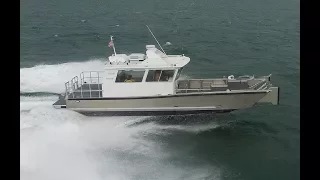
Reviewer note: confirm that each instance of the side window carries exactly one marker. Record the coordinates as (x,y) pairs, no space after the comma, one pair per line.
(160,75)
(129,76)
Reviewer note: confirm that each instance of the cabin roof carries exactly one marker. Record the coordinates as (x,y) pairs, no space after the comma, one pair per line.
(154,58)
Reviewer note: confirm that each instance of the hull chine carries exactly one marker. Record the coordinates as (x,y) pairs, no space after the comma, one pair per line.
(151,113)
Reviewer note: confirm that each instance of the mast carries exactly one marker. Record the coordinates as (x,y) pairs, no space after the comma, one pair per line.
(156,40)
(114,50)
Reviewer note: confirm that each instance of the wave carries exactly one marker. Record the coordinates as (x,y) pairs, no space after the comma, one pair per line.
(51,78)
(62,144)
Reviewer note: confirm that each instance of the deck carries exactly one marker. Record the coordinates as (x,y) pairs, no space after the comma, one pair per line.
(80,89)
(86,91)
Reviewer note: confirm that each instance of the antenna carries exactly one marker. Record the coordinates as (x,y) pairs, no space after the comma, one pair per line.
(156,40)
(114,49)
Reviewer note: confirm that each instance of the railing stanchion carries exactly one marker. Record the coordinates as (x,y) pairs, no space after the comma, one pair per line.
(81,87)
(72,84)
(98,85)
(90,84)
(66,86)
(77,85)
(79,90)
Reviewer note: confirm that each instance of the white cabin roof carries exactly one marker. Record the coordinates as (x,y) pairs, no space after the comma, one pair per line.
(154,58)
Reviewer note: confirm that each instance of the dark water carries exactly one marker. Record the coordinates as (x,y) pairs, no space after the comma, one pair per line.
(221,38)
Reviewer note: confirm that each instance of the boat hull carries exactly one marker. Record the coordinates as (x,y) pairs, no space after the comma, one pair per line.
(151,113)
(192,103)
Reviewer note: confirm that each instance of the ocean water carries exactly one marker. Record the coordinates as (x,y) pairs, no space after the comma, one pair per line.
(59,39)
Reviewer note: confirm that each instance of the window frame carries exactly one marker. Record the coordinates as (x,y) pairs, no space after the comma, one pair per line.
(173,76)
(178,74)
(128,70)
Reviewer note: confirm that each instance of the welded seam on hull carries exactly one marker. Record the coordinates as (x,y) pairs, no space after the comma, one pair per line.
(147,109)
(150,113)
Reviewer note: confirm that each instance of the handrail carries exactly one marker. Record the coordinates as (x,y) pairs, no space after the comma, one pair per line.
(193,89)
(84,84)
(88,91)
(204,84)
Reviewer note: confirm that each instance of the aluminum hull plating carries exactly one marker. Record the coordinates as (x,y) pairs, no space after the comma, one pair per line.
(190,103)
(151,113)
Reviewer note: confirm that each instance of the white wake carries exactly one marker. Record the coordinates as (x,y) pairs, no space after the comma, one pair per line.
(58,144)
(51,78)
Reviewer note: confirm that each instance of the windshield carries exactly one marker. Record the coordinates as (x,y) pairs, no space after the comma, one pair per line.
(178,74)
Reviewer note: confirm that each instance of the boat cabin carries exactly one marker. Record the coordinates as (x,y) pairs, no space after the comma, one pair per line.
(137,74)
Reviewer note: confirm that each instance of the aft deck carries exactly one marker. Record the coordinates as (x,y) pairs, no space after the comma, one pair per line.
(86,91)
(87,86)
